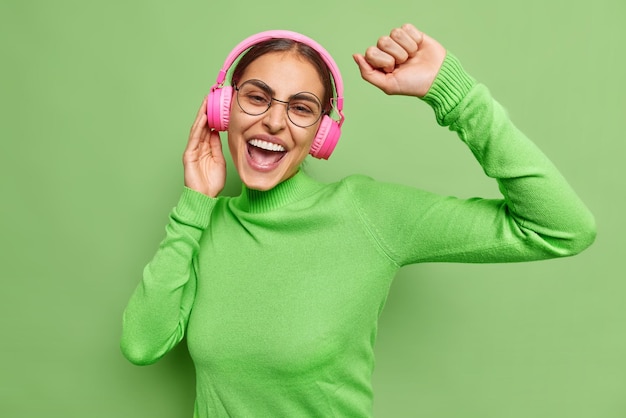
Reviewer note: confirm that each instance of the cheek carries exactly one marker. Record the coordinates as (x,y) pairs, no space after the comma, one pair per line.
(235,129)
(234,144)
(233,119)
(305,139)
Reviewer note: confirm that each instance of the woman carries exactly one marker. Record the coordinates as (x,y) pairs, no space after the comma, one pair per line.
(279,289)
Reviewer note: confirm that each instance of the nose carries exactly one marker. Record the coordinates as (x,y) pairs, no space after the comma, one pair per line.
(276,116)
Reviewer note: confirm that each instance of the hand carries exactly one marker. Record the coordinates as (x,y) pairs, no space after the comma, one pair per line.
(405,62)
(203,159)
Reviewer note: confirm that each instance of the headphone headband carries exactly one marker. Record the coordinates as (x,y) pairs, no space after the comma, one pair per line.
(298,37)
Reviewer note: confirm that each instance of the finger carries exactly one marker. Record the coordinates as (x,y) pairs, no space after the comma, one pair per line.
(199,126)
(201,116)
(379,59)
(202,109)
(371,74)
(405,40)
(389,46)
(215,144)
(364,67)
(414,33)
(197,147)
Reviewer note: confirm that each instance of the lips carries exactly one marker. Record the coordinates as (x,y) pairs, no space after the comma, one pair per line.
(264,155)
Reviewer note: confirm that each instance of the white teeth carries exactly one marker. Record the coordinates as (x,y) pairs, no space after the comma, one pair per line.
(259,143)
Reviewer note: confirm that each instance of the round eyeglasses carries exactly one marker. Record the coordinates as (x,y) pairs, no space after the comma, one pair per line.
(255,98)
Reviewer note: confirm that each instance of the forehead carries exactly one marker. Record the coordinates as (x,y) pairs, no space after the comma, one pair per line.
(286,73)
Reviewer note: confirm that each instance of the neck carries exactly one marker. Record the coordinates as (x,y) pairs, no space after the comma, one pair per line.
(288,191)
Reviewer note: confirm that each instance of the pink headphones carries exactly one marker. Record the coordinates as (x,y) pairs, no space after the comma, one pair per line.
(219,99)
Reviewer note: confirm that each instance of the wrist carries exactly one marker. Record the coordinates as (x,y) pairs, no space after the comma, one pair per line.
(450,86)
(194,208)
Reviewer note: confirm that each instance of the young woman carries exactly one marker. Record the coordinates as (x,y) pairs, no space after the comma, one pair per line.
(279,289)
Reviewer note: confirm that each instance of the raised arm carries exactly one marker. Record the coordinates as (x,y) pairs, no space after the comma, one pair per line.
(539,217)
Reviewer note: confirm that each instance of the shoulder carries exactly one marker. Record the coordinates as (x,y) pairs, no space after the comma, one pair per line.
(357,180)
(354,185)
(366,188)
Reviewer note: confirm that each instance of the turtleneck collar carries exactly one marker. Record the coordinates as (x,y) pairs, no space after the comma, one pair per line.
(289,191)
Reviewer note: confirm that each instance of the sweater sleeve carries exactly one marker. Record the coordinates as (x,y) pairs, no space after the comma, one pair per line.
(156,316)
(538,217)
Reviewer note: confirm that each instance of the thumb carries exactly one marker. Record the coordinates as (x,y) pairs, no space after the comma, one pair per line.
(369,73)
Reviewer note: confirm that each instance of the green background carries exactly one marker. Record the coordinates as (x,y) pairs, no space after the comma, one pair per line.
(96,102)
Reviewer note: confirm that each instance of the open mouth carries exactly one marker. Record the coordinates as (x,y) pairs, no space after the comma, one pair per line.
(264,153)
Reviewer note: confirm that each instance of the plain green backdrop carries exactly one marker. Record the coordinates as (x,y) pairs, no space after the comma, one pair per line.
(96,102)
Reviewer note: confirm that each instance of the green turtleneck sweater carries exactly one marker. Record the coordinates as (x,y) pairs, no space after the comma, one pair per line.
(279,292)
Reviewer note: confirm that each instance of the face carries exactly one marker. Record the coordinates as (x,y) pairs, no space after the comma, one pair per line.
(268,148)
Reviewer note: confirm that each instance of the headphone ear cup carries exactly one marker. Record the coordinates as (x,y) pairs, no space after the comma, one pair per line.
(218,107)
(326,138)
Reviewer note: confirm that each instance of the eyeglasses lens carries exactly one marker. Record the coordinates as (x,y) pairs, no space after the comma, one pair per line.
(303,109)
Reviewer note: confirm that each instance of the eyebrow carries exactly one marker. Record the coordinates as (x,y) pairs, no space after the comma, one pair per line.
(263,86)
(260,84)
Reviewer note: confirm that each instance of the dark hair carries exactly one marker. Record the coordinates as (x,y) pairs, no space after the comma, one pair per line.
(289,45)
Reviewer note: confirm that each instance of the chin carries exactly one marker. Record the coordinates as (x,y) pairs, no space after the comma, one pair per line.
(263,181)
(262,186)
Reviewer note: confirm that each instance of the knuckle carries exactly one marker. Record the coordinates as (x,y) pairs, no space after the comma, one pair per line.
(376,58)
(371,52)
(385,42)
(397,34)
